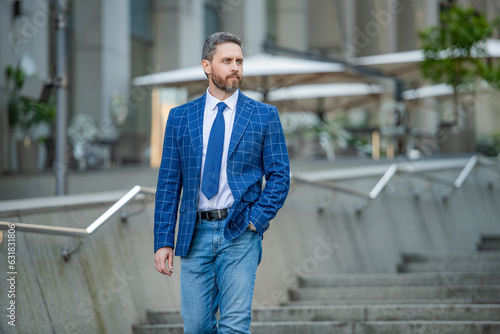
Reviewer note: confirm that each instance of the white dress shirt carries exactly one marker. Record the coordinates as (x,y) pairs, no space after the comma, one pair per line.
(224,198)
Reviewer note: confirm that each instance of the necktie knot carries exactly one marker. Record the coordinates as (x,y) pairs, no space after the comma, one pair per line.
(222,106)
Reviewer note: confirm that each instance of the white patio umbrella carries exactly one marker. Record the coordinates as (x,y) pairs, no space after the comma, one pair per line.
(325,97)
(406,65)
(262,72)
(435,91)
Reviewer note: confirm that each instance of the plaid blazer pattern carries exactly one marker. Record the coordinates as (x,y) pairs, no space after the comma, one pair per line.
(257,148)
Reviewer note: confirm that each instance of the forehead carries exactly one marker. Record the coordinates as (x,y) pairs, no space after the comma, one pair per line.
(228,50)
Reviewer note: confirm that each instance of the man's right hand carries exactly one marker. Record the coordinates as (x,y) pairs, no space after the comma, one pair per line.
(163,256)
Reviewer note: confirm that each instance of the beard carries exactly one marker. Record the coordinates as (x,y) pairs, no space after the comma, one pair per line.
(223,84)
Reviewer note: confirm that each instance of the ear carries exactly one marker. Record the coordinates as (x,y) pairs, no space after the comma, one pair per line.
(207,66)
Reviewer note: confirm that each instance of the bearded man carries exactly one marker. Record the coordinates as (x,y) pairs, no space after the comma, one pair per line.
(217,150)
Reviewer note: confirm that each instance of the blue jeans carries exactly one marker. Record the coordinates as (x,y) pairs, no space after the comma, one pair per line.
(219,273)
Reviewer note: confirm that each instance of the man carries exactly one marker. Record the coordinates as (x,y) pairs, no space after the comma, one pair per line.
(217,149)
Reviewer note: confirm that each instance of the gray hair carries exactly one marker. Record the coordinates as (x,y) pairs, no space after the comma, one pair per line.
(213,40)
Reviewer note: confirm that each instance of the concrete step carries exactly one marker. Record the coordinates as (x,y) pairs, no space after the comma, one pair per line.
(445,293)
(158,329)
(406,279)
(164,316)
(429,327)
(441,293)
(429,312)
(452,256)
(286,327)
(299,327)
(432,312)
(370,327)
(451,266)
(371,302)
(489,243)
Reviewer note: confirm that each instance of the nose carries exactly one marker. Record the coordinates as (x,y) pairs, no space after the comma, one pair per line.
(235,67)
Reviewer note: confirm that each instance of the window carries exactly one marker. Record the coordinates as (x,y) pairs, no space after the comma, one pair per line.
(271,21)
(140,19)
(213,22)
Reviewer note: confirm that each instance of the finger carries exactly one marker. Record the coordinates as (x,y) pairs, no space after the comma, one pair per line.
(160,263)
(157,265)
(167,265)
(170,259)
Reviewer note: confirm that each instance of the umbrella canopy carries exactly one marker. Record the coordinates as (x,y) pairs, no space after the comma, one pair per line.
(436,91)
(406,65)
(262,72)
(324,97)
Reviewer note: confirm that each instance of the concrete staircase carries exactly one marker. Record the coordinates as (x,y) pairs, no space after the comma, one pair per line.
(445,293)
(489,242)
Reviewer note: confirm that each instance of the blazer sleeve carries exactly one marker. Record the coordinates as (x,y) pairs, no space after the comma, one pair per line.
(168,189)
(277,173)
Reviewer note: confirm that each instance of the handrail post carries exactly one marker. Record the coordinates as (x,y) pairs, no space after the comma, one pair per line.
(384,180)
(468,168)
(466,171)
(113,209)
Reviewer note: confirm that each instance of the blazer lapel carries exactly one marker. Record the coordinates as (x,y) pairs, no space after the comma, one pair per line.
(195,125)
(244,110)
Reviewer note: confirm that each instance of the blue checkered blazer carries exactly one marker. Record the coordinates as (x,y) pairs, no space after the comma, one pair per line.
(257,148)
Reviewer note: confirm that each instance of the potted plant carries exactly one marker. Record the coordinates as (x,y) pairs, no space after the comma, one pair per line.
(26,115)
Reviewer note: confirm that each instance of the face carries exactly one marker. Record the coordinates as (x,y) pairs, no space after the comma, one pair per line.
(225,71)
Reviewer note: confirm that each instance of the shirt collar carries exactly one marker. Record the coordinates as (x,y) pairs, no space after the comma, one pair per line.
(230,101)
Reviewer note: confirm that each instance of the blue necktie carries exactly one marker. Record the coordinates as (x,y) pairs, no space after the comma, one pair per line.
(213,159)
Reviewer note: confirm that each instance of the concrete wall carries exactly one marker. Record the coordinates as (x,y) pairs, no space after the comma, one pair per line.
(104,288)
(17,186)
(111,281)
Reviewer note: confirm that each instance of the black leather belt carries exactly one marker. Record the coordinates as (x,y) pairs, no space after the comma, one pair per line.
(212,214)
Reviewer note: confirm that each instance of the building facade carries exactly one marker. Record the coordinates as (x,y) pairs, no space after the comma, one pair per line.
(112,41)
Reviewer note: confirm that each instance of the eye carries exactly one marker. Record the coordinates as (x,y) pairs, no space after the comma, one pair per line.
(226,60)
(239,62)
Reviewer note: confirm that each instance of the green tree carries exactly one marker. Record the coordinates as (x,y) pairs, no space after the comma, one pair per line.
(455,51)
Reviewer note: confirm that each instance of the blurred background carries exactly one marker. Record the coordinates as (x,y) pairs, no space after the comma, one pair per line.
(391,112)
(353,84)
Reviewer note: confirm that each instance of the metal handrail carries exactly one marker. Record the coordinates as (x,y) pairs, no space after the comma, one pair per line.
(389,173)
(368,195)
(471,164)
(81,232)
(394,169)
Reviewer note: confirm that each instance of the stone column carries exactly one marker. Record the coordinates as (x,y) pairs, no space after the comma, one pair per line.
(347,44)
(101,64)
(178,33)
(255,26)
(326,26)
(247,20)
(376,29)
(293,24)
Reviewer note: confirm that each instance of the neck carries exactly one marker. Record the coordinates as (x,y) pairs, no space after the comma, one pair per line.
(218,94)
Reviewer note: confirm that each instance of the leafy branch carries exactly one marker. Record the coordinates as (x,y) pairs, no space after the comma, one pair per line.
(455,51)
